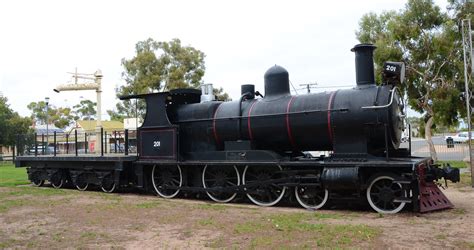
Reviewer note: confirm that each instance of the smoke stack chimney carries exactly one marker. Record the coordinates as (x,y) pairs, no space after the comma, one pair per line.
(364,63)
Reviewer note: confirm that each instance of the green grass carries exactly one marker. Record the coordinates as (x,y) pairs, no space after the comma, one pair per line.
(34,191)
(5,205)
(303,230)
(250,227)
(454,164)
(15,197)
(150,204)
(209,206)
(11,176)
(465,181)
(207,222)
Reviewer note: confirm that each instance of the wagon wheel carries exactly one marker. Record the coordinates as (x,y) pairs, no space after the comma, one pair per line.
(57,179)
(381,193)
(263,194)
(167,180)
(311,196)
(81,182)
(108,184)
(35,179)
(220,177)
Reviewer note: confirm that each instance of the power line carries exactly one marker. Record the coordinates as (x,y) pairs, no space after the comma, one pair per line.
(294,88)
(309,86)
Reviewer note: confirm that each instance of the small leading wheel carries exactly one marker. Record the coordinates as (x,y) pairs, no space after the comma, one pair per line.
(381,193)
(108,184)
(311,197)
(263,192)
(81,182)
(167,180)
(220,177)
(57,180)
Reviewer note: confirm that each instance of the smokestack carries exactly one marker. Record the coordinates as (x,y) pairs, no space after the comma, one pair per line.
(364,63)
(248,88)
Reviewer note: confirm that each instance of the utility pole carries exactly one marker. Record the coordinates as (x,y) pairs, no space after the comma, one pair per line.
(309,86)
(468,73)
(96,85)
(46,99)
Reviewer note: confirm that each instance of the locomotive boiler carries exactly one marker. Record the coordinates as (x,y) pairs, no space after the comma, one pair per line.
(361,120)
(259,146)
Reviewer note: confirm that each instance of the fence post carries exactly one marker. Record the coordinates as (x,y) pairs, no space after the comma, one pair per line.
(115,141)
(106,142)
(67,143)
(75,141)
(126,141)
(85,142)
(13,154)
(42,143)
(101,141)
(54,150)
(36,145)
(18,145)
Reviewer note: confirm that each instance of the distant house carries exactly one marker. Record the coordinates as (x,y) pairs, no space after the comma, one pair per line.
(89,126)
(5,150)
(87,135)
(42,129)
(86,139)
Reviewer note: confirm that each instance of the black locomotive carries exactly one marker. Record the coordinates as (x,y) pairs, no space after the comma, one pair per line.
(263,147)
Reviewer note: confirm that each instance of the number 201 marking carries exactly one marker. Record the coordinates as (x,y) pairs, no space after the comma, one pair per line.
(156,144)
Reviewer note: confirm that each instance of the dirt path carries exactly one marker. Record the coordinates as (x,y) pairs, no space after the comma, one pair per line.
(47,218)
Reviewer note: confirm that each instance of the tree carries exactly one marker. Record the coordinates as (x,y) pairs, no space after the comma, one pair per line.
(11,124)
(85,110)
(61,117)
(159,66)
(427,40)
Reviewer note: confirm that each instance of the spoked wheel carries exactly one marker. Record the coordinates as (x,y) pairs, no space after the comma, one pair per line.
(381,193)
(167,180)
(57,180)
(311,197)
(108,184)
(36,180)
(263,193)
(81,182)
(220,177)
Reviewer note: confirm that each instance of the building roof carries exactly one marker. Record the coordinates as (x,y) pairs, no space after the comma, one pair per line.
(86,125)
(41,129)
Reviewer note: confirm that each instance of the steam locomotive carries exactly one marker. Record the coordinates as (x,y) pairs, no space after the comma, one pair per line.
(261,146)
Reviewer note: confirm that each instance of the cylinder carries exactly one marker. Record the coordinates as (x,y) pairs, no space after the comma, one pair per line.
(364,63)
(341,178)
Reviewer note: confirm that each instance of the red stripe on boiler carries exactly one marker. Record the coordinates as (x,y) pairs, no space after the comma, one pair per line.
(288,126)
(214,129)
(249,127)
(331,97)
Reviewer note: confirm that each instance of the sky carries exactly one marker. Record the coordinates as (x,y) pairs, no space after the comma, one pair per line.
(40,41)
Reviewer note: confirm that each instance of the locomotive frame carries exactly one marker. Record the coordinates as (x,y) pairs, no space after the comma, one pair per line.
(227,149)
